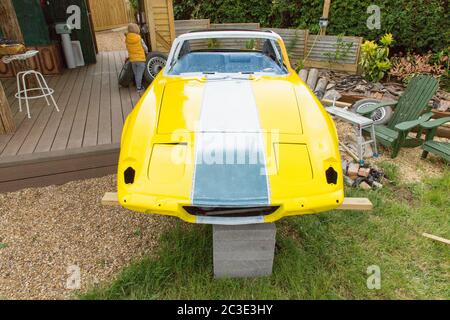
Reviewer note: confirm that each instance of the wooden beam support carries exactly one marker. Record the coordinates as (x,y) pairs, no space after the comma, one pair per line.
(11,30)
(436,238)
(8,21)
(357,204)
(110,199)
(7,124)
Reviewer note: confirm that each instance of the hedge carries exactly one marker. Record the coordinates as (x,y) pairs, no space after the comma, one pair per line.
(417,25)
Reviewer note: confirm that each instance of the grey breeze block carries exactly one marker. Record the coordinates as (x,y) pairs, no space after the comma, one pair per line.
(243,251)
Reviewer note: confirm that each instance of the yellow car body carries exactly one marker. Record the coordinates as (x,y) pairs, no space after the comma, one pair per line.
(159,169)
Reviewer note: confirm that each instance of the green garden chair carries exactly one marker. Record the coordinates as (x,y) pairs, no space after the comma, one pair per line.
(408,114)
(439,148)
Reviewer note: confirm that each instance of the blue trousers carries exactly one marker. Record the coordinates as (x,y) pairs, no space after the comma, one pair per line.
(138,70)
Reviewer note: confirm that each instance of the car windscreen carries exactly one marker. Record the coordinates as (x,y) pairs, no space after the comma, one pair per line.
(228,56)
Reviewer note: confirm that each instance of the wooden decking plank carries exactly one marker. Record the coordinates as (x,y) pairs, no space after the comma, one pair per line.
(104,121)
(14,105)
(34,135)
(36,107)
(79,123)
(132,89)
(10,86)
(91,130)
(48,136)
(134,96)
(65,126)
(18,117)
(116,102)
(58,162)
(127,104)
(58,178)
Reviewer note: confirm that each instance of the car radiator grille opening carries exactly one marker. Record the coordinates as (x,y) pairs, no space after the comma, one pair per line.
(230,211)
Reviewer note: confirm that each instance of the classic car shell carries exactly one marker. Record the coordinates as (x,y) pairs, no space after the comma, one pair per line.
(163,137)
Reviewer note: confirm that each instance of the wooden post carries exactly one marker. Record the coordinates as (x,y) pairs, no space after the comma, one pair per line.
(325,15)
(11,30)
(8,21)
(7,124)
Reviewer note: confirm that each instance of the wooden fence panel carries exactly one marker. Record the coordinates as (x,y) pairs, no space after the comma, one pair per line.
(299,44)
(318,46)
(294,40)
(234,43)
(109,14)
(228,26)
(185,26)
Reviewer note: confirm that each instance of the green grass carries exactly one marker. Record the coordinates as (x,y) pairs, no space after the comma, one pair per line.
(391,170)
(322,256)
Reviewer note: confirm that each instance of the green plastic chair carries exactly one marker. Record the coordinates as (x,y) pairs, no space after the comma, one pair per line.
(408,113)
(439,148)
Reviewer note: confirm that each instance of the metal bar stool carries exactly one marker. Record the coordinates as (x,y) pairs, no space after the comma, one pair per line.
(23,91)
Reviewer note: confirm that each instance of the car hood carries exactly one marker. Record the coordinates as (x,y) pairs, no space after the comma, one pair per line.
(231,142)
(230,105)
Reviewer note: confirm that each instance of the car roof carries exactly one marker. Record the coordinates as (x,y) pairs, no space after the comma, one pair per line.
(227,33)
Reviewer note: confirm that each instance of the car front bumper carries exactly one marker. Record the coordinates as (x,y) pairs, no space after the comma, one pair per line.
(176,207)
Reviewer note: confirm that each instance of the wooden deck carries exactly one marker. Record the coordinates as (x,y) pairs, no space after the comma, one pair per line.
(80,141)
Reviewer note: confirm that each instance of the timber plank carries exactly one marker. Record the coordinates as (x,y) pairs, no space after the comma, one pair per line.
(26,124)
(104,121)
(18,118)
(56,179)
(34,135)
(65,126)
(10,86)
(125,97)
(56,162)
(48,136)
(79,122)
(132,90)
(116,102)
(91,130)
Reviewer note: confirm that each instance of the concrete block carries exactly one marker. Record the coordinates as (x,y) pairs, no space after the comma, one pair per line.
(243,269)
(263,231)
(243,251)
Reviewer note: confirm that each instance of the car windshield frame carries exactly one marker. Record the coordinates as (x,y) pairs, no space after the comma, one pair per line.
(282,59)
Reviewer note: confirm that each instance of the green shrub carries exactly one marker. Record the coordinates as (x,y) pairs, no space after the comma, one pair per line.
(417,25)
(375,58)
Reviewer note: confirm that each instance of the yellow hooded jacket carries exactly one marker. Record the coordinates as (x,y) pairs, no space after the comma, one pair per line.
(135,49)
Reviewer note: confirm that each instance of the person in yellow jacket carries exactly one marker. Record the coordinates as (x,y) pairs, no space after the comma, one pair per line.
(137,53)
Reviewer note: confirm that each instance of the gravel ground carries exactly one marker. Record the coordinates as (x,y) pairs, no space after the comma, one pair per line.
(111,40)
(44,231)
